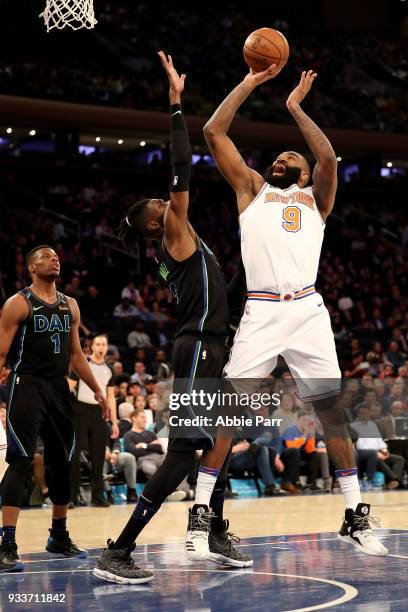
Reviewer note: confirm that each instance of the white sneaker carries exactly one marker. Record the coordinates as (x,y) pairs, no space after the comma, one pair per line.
(199,524)
(356,530)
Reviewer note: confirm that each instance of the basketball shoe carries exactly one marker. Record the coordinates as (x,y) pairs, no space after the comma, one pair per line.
(9,559)
(61,544)
(199,524)
(357,531)
(223,551)
(119,566)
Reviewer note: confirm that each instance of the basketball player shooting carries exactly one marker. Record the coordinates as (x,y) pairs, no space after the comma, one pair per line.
(39,338)
(282,220)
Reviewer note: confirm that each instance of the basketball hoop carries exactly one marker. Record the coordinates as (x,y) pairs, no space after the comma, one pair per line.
(76,14)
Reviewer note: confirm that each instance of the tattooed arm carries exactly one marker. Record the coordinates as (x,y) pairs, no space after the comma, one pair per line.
(325,172)
(243,180)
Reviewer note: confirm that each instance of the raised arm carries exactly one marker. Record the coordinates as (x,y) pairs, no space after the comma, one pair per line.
(245,181)
(325,171)
(178,236)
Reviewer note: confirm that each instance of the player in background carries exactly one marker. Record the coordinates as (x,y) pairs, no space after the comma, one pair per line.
(192,274)
(282,222)
(38,339)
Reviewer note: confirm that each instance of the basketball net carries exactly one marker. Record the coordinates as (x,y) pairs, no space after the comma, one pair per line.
(76,14)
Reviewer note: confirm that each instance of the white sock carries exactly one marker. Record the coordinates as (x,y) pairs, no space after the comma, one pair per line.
(349,486)
(207,477)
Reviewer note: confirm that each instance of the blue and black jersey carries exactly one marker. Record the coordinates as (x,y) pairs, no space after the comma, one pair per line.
(41,346)
(199,288)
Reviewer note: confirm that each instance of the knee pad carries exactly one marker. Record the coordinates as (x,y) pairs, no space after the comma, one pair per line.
(60,484)
(14,481)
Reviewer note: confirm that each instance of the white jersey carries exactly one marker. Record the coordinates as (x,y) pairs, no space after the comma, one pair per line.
(281,239)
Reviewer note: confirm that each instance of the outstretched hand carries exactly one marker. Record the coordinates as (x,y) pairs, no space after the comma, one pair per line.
(300,92)
(176,81)
(256,78)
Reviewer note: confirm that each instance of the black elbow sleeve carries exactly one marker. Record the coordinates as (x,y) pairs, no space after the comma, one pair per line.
(180,151)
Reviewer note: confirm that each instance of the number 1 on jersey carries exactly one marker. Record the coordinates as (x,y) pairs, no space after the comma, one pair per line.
(292,219)
(56,339)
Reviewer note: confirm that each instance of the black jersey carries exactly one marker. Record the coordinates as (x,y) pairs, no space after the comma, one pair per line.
(41,346)
(198,286)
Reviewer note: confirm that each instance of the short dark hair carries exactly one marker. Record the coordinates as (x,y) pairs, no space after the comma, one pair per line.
(34,250)
(131,227)
(136,412)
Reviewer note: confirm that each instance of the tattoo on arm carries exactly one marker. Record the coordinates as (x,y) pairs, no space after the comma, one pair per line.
(315,138)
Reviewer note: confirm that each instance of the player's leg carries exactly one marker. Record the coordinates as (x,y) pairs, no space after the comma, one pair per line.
(57,433)
(116,563)
(312,359)
(81,429)
(3,450)
(24,414)
(221,541)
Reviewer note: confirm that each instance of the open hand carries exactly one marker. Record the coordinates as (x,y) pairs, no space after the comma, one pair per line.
(176,81)
(256,78)
(300,92)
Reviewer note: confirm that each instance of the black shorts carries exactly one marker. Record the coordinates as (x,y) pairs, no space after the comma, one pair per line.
(193,359)
(38,407)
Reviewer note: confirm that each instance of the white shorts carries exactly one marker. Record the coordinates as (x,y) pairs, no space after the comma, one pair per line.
(300,331)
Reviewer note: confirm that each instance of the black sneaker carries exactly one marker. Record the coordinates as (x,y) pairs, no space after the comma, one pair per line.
(356,530)
(119,566)
(223,551)
(63,545)
(99,502)
(199,524)
(9,559)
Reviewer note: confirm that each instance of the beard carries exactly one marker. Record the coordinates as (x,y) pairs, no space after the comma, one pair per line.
(290,176)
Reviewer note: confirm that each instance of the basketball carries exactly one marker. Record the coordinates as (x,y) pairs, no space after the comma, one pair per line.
(264,47)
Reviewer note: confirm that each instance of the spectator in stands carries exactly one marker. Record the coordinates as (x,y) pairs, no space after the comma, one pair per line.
(249,455)
(157,314)
(119,462)
(134,389)
(125,310)
(302,437)
(139,374)
(143,313)
(394,356)
(125,411)
(143,445)
(130,292)
(121,390)
(369,438)
(117,367)
(286,411)
(138,338)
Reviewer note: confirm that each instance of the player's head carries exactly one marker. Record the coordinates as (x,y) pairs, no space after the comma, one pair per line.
(289,167)
(145,219)
(43,263)
(99,346)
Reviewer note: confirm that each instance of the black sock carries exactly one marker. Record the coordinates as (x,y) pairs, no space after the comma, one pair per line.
(59,525)
(9,533)
(217,506)
(141,515)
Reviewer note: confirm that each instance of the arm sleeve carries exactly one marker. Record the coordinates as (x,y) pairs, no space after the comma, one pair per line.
(180,150)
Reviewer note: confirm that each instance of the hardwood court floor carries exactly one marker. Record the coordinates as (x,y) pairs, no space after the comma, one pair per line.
(91,527)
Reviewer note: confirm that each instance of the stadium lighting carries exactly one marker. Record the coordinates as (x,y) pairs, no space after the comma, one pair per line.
(9,130)
(339,158)
(389,164)
(120,141)
(98,139)
(32,132)
(142,143)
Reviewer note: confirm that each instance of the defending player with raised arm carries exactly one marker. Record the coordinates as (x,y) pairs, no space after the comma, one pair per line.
(289,167)
(38,339)
(193,276)
(282,221)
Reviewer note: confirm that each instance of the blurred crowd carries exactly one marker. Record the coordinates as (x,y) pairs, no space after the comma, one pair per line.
(117,64)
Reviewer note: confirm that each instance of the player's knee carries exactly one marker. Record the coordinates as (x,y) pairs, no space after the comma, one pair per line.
(13,484)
